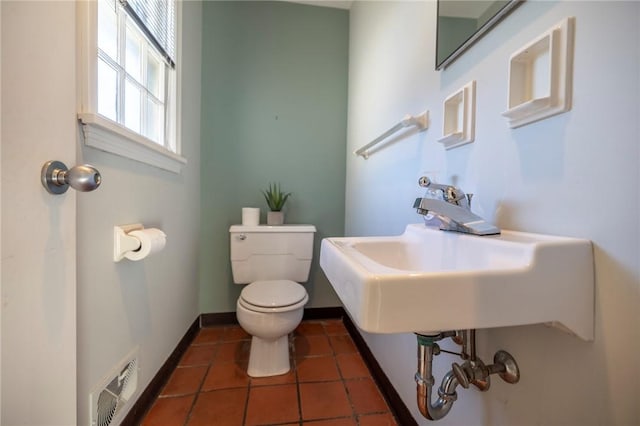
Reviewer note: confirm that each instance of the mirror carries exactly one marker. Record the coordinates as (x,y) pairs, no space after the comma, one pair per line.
(462,22)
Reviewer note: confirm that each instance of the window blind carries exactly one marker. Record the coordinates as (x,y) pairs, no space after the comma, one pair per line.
(157,19)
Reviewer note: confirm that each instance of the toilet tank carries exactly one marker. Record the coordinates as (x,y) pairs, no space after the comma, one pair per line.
(271,252)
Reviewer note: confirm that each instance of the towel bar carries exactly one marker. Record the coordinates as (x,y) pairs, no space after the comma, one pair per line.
(421,121)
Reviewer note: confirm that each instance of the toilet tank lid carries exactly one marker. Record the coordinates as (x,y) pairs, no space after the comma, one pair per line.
(268,228)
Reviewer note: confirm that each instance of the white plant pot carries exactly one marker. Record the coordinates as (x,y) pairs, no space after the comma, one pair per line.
(275,218)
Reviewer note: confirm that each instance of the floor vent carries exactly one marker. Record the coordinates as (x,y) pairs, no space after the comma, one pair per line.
(111,396)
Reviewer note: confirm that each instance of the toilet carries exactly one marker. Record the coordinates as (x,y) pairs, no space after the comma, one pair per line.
(273,260)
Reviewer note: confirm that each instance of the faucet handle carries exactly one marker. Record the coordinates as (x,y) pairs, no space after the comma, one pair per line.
(469,197)
(450,193)
(461,375)
(472,373)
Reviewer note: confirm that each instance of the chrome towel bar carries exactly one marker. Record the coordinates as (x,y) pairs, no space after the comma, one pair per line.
(421,121)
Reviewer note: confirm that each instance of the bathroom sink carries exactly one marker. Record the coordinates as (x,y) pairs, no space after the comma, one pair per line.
(428,280)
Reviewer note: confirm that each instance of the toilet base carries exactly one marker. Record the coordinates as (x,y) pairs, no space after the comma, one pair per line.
(269,357)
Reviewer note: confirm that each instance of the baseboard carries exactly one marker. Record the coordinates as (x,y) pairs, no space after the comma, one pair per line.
(149,395)
(332,312)
(218,318)
(228,318)
(402,413)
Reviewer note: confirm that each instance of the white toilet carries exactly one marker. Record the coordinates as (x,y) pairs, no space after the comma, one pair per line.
(273,259)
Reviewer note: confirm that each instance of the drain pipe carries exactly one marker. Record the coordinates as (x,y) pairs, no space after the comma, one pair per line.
(472,372)
(427,348)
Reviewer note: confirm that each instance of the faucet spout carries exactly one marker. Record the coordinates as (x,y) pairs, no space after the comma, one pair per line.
(454,217)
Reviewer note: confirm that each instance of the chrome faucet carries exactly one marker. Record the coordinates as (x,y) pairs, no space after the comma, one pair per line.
(453,209)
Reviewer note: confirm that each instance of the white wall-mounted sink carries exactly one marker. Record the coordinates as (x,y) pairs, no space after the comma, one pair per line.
(428,280)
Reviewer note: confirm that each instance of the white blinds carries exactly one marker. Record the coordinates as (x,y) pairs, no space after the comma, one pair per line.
(157,19)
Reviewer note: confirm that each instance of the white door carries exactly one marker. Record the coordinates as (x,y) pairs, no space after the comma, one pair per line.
(38,305)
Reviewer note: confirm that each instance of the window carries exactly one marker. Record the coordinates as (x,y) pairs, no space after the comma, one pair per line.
(130,102)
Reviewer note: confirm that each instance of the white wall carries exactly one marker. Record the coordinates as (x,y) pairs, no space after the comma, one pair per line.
(575,174)
(148,304)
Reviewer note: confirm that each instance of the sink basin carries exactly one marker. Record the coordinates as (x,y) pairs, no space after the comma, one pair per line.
(427,280)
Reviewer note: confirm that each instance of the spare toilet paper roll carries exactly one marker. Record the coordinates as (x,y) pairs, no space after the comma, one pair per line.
(152,240)
(250,216)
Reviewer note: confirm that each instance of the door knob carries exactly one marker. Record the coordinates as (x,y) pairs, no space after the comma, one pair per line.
(57,178)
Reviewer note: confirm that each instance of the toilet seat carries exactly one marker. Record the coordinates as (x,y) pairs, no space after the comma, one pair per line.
(273,296)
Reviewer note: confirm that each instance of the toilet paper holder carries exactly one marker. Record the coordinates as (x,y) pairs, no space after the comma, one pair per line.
(125,245)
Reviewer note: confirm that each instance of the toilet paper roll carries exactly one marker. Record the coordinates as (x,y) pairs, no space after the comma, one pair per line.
(152,240)
(250,216)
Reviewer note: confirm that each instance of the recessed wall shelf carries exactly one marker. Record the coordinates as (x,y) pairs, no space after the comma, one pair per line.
(459,117)
(540,76)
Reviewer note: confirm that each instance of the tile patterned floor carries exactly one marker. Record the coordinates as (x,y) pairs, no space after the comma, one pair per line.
(329,383)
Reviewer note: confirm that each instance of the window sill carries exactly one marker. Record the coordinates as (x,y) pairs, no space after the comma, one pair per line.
(105,135)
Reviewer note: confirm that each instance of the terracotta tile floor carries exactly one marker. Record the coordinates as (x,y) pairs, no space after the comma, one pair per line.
(329,383)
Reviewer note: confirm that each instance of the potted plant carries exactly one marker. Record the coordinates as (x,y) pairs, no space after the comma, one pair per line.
(275,200)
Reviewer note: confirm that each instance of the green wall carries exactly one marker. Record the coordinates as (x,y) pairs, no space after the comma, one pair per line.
(274,108)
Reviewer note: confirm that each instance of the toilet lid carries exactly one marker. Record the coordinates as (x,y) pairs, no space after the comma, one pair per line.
(273,293)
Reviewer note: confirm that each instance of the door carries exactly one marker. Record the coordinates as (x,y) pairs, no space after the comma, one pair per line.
(38,252)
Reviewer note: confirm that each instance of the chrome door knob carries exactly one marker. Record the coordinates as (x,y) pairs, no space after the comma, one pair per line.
(82,178)
(57,178)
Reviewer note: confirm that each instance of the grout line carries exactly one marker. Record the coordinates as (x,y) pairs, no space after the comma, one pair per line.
(196,396)
(199,390)
(294,360)
(246,403)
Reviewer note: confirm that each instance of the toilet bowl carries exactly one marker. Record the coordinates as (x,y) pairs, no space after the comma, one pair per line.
(273,260)
(269,311)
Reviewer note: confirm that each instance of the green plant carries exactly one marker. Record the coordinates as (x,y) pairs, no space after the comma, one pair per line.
(275,197)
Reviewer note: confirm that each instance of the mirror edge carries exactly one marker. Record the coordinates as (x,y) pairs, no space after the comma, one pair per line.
(508,8)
